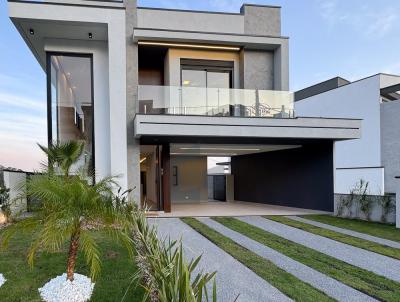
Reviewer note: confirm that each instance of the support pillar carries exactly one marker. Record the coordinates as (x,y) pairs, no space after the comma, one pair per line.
(166,177)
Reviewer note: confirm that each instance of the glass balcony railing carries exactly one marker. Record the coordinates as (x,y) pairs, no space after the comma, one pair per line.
(178,100)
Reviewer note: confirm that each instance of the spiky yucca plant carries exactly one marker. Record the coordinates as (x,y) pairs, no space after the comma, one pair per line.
(68,205)
(165,274)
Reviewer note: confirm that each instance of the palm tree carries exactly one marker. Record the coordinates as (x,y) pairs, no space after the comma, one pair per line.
(68,206)
(63,155)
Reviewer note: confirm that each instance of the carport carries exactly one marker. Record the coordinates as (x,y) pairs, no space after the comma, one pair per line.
(276,164)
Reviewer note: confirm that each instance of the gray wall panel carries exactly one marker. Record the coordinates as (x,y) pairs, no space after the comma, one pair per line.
(300,177)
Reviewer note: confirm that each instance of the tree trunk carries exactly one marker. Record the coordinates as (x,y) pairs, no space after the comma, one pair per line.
(72,253)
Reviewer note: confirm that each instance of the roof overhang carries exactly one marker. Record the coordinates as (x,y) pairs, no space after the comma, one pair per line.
(67,21)
(181,36)
(239,127)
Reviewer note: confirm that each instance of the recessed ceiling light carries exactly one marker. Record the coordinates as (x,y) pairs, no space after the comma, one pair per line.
(73,87)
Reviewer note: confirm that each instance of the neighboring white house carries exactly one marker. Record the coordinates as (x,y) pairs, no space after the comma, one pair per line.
(375,157)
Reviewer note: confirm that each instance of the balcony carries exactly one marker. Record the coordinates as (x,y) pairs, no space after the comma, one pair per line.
(200,101)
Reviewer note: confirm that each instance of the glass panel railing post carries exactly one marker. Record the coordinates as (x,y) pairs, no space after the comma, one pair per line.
(217,100)
(257,105)
(180,95)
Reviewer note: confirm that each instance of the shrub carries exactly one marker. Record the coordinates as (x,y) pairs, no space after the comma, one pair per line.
(387,206)
(365,202)
(348,202)
(5,203)
(163,271)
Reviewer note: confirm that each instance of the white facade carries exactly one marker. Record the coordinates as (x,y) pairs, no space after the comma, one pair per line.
(64,28)
(361,158)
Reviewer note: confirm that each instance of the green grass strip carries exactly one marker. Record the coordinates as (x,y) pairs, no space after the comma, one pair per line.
(358,242)
(358,278)
(277,277)
(387,231)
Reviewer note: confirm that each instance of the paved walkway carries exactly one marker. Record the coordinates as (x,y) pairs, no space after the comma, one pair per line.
(328,285)
(370,261)
(233,278)
(382,241)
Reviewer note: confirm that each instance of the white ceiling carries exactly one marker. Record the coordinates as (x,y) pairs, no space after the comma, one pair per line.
(224,150)
(44,30)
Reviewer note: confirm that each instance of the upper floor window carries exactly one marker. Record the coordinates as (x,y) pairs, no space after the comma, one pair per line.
(206,73)
(70,101)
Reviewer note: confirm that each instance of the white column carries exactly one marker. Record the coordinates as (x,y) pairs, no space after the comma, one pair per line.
(117,84)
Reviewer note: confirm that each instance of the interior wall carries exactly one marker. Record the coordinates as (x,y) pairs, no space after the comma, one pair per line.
(192,179)
(151,65)
(301,177)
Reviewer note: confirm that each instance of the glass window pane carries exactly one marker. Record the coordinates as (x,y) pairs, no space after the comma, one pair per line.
(194,78)
(217,79)
(218,93)
(71,102)
(194,94)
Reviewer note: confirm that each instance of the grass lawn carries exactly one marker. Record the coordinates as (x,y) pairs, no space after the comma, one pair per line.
(387,231)
(361,243)
(23,283)
(285,282)
(367,282)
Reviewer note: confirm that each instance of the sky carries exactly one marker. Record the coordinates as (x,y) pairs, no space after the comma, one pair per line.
(328,38)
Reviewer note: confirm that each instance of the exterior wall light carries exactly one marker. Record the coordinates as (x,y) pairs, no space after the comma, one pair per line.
(31,31)
(90,35)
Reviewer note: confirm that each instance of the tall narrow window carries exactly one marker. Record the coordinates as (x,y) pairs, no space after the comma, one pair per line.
(70,116)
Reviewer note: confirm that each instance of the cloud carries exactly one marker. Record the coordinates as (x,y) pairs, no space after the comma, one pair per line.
(372,21)
(8,100)
(23,123)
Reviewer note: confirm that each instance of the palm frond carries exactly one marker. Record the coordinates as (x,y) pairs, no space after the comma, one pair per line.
(92,253)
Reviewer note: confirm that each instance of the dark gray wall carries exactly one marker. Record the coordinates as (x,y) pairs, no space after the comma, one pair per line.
(320,88)
(301,177)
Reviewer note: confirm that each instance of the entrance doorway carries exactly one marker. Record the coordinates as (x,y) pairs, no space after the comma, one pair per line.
(155,177)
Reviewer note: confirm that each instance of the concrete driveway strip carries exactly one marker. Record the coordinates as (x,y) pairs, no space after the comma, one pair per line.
(328,285)
(233,278)
(375,239)
(378,264)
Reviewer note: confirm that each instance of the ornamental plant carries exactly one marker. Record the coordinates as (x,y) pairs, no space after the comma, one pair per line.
(68,204)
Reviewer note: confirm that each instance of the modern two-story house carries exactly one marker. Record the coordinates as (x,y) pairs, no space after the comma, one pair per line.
(154,92)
